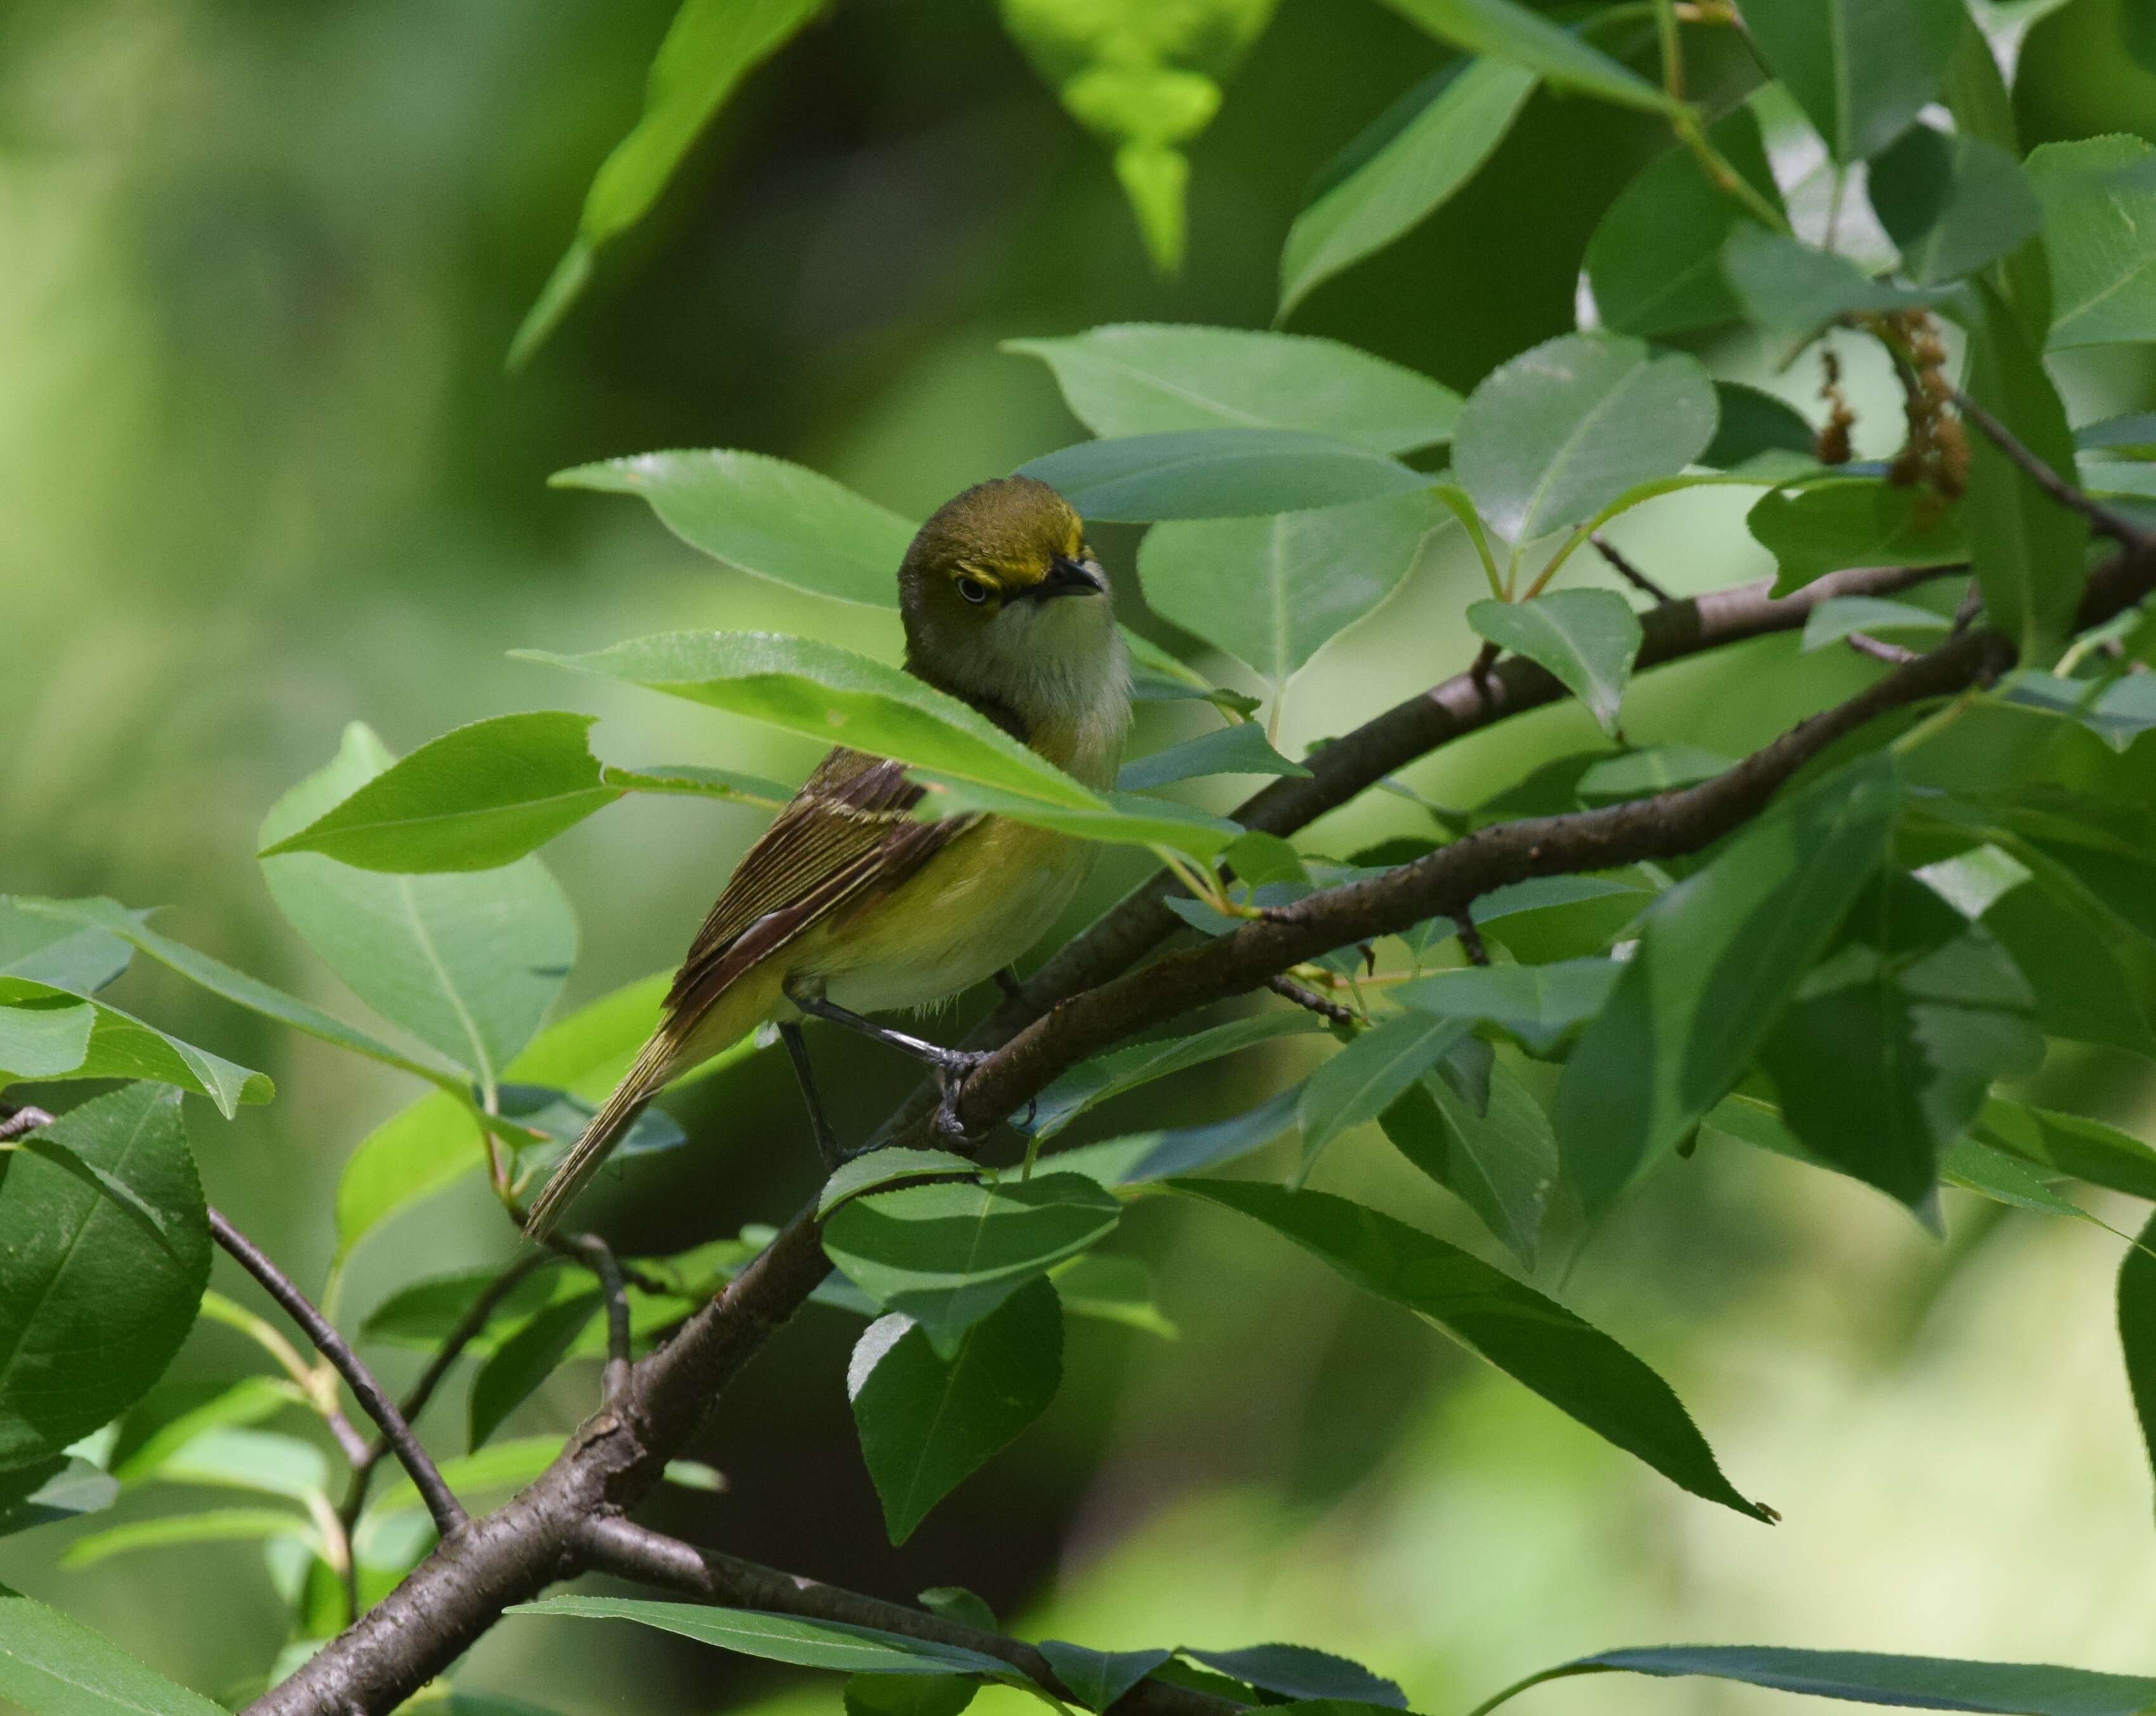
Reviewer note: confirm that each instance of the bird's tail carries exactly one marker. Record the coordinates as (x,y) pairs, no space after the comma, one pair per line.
(654,1065)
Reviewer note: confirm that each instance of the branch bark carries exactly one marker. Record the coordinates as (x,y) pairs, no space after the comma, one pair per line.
(548,1532)
(449,1513)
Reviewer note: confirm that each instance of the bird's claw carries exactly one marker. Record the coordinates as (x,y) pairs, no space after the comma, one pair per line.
(952,1074)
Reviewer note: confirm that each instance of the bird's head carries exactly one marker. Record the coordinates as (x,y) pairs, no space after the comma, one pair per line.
(1003,600)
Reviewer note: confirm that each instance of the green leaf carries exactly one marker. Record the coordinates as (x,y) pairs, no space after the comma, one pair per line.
(1415,171)
(1791,290)
(1240,749)
(764,516)
(119,1046)
(47,1036)
(908,1694)
(171,1416)
(2136,1330)
(1097,1679)
(2117,712)
(1095,1081)
(926,1424)
(1507,31)
(1550,438)
(877,1168)
(475,798)
(1539,1005)
(2132,435)
(1921,1682)
(1886,1052)
(954,1602)
(1588,638)
(108,919)
(1849,521)
(2089,985)
(421,1313)
(1219,473)
(1297,1672)
(52,1666)
(1655,262)
(947,1255)
(781,1638)
(504,1466)
(1356,1085)
(710,47)
(79,1274)
(259,1460)
(834,694)
(1862,69)
(1119,818)
(1144,1156)
(1972,1166)
(1137,378)
(1952,205)
(1501,1161)
(2070,1143)
(525,1359)
(436,1141)
(1537,1341)
(2026,548)
(1113,1289)
(64,1487)
(1758,432)
(2099,232)
(216,1525)
(1718,955)
(1838,616)
(469,964)
(1640,774)
(1272,591)
(34,944)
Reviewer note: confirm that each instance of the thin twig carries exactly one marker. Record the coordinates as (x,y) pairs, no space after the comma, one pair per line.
(1289,989)
(598,1257)
(1623,567)
(1893,655)
(18,1122)
(449,1513)
(2120,529)
(1966,610)
(1470,939)
(629,1551)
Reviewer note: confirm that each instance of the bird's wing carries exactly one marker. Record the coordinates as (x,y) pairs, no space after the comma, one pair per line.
(849,834)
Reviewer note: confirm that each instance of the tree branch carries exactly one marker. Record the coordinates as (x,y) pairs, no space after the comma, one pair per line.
(544,1534)
(2121,530)
(1621,564)
(599,1257)
(630,1551)
(449,1514)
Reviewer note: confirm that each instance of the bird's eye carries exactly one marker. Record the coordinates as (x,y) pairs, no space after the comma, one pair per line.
(974,590)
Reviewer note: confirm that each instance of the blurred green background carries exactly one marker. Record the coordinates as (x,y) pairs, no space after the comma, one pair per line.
(262,473)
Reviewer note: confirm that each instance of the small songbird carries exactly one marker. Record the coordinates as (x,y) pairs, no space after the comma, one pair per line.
(847,905)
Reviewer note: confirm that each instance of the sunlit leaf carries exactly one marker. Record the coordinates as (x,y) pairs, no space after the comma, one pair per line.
(764,516)
(1549,439)
(1097,1679)
(213,1525)
(1240,749)
(710,47)
(947,1254)
(2099,203)
(1272,591)
(1219,473)
(1137,378)
(1838,616)
(1297,1672)
(1111,1289)
(469,964)
(68,956)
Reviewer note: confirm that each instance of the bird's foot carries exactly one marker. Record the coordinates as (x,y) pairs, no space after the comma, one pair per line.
(953,1069)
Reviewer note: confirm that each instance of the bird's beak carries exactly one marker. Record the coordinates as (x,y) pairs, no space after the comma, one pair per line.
(1066,577)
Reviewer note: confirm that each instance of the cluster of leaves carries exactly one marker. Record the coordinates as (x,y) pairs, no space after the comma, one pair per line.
(1861,978)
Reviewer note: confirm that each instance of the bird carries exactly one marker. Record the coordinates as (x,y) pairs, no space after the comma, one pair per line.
(849,905)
